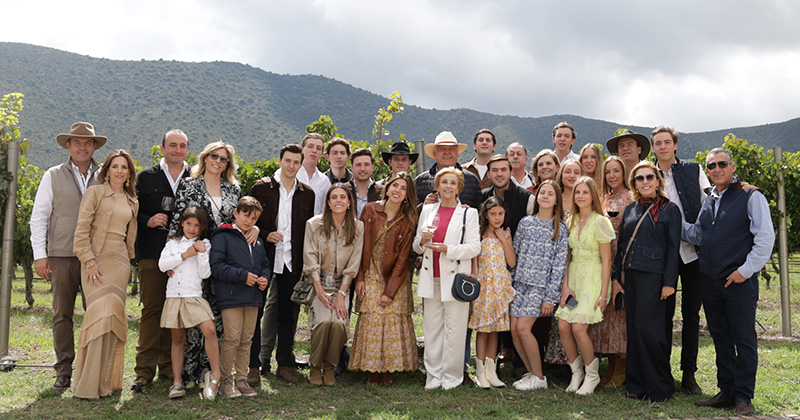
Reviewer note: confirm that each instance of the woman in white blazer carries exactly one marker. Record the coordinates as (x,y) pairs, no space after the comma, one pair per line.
(438,239)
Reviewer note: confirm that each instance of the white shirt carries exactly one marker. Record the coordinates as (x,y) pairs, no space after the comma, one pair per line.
(687,250)
(526,182)
(43,208)
(319,183)
(186,280)
(283,250)
(481,169)
(173,183)
(570,156)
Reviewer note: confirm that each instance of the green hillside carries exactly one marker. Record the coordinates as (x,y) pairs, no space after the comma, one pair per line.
(135,102)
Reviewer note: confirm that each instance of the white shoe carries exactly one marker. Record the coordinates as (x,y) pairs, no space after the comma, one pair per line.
(577,374)
(521,382)
(592,378)
(536,383)
(491,374)
(480,374)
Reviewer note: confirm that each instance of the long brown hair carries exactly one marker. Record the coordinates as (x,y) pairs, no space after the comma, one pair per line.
(409,205)
(483,214)
(597,204)
(130,183)
(198,213)
(349,215)
(558,209)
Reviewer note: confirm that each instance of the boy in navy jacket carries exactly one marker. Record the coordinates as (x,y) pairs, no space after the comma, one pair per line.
(240,272)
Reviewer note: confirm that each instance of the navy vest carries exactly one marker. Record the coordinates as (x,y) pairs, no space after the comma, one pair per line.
(726,238)
(516,203)
(685,174)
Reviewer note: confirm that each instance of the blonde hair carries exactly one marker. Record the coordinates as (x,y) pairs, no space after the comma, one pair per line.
(646,164)
(229,173)
(598,155)
(597,204)
(622,165)
(451,171)
(560,172)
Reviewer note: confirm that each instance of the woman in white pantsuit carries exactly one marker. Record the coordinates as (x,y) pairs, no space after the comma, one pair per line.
(438,239)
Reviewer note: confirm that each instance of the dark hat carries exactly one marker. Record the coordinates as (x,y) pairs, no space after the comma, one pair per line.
(644,143)
(399,148)
(80,129)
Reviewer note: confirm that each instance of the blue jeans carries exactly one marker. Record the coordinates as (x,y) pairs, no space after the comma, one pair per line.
(731,316)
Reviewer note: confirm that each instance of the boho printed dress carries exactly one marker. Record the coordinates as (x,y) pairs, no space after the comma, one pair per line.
(384,339)
(610,336)
(490,309)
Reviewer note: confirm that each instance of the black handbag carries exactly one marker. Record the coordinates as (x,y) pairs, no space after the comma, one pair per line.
(465,288)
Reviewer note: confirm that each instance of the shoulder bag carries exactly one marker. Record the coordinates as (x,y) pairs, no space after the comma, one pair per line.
(465,288)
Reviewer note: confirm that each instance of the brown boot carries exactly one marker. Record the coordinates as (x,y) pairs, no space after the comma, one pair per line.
(618,377)
(328,376)
(315,375)
(612,360)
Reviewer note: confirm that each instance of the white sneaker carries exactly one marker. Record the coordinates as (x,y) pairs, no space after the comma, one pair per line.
(536,383)
(522,381)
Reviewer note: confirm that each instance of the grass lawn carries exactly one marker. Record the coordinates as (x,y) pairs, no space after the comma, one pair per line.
(26,392)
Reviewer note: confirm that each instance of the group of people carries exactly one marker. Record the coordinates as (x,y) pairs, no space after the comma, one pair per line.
(577,259)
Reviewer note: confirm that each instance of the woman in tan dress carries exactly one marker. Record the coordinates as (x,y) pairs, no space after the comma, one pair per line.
(104,239)
(384,340)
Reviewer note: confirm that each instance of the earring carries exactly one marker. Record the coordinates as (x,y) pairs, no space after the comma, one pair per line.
(128,182)
(108,177)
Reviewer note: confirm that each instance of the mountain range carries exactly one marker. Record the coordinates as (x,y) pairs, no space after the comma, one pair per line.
(134,103)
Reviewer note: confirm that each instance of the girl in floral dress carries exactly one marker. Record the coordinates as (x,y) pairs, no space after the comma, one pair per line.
(490,310)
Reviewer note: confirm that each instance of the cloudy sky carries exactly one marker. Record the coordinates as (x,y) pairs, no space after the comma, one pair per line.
(697,65)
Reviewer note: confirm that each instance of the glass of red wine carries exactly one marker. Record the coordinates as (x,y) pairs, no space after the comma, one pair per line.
(167,206)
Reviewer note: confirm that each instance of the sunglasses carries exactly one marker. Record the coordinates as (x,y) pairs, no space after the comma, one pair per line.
(216,156)
(641,178)
(713,165)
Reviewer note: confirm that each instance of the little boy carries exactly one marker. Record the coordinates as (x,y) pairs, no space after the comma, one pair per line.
(240,272)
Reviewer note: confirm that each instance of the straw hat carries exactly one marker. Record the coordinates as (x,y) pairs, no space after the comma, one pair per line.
(445,138)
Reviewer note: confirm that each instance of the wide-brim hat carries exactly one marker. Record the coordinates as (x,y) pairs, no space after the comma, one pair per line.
(644,143)
(399,148)
(445,138)
(81,129)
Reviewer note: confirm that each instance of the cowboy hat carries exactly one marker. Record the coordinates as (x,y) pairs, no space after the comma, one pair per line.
(81,129)
(445,138)
(401,149)
(643,142)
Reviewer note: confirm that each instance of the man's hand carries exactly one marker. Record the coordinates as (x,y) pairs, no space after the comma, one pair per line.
(274,237)
(431,198)
(735,277)
(42,266)
(159,219)
(252,235)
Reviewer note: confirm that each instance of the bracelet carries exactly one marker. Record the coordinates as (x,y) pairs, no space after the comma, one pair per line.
(342,292)
(91,264)
(615,281)
(602,298)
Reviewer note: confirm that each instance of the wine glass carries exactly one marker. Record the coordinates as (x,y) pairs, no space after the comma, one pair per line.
(613,210)
(167,206)
(434,224)
(282,225)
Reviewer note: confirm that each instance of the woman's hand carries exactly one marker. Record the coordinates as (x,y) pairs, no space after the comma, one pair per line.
(93,275)
(427,235)
(384,301)
(252,235)
(438,247)
(361,289)
(667,291)
(322,296)
(339,306)
(547,309)
(565,293)
(601,303)
(616,289)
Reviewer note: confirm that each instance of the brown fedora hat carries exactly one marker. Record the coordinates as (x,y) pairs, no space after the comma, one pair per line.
(81,129)
(641,139)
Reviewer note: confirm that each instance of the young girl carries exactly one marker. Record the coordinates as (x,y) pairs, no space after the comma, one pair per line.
(186,255)
(567,177)
(541,243)
(584,294)
(490,309)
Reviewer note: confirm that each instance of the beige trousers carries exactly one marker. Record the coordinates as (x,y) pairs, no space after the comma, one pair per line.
(239,325)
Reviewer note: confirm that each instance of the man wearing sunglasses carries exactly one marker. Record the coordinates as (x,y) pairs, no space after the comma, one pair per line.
(686,186)
(735,234)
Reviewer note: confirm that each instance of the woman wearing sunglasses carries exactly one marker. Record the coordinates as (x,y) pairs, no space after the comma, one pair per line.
(212,186)
(646,266)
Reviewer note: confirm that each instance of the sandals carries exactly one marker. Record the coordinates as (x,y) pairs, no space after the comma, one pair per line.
(176,391)
(208,393)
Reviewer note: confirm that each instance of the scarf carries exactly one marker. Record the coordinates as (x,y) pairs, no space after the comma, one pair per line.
(660,203)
